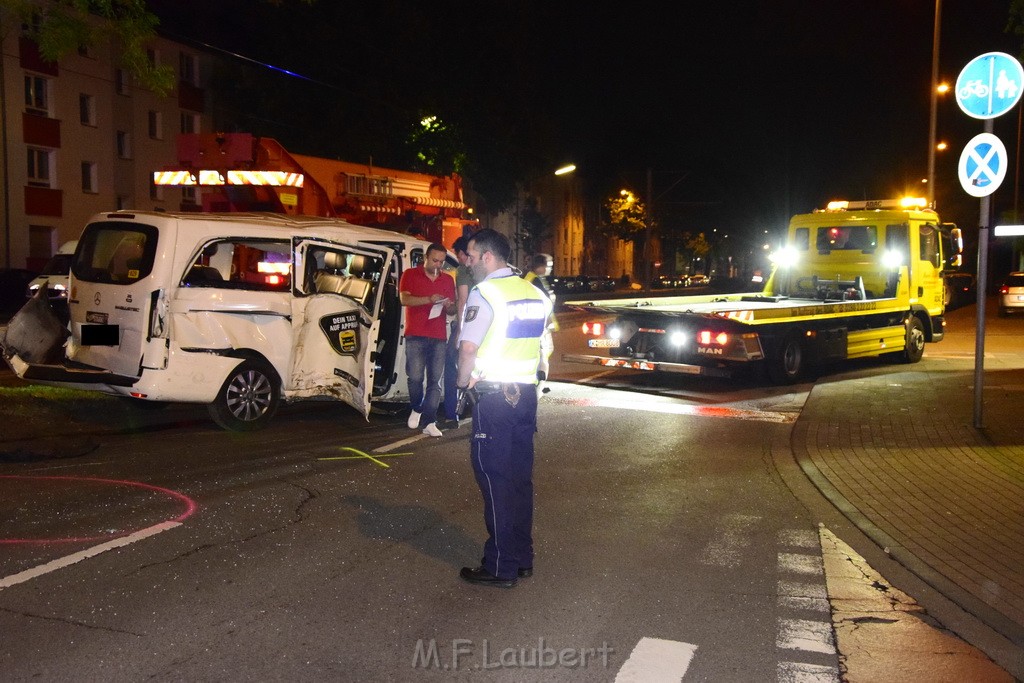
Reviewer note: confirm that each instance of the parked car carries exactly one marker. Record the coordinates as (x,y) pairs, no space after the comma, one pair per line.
(959,288)
(698,280)
(1011,294)
(55,273)
(12,290)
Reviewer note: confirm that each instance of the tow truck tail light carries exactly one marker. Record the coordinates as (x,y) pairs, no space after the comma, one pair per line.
(708,337)
(593,329)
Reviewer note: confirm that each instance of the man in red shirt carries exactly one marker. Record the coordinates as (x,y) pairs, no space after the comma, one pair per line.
(428,294)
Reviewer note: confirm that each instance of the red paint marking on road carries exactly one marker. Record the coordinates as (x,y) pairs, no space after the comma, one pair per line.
(190,507)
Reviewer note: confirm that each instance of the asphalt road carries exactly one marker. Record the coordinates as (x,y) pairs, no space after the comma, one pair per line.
(151,544)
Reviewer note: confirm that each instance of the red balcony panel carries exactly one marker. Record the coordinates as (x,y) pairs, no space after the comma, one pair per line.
(28,51)
(190,97)
(44,201)
(39,130)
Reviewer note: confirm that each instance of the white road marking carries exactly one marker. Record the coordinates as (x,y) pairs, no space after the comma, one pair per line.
(68,560)
(799,538)
(800,602)
(803,634)
(797,563)
(800,672)
(655,660)
(399,444)
(802,590)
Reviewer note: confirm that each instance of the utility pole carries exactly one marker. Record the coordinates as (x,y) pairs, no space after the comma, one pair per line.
(933,119)
(648,253)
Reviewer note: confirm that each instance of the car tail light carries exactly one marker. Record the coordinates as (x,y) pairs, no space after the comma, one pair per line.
(1005,289)
(593,329)
(709,337)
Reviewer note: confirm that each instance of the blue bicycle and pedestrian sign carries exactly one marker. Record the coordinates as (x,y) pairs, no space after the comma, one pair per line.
(983,165)
(989,85)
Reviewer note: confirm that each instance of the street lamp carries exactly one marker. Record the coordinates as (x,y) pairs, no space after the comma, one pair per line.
(935,91)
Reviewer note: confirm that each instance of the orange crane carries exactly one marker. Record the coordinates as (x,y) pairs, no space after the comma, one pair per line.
(242,172)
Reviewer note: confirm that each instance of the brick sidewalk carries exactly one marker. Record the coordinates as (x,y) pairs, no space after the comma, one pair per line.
(899,445)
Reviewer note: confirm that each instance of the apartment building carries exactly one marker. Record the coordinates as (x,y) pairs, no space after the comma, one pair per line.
(80,137)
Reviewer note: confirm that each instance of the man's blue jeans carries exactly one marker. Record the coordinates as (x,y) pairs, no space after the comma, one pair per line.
(451,375)
(425,355)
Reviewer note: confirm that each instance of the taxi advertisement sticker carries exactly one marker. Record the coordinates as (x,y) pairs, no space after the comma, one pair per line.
(342,332)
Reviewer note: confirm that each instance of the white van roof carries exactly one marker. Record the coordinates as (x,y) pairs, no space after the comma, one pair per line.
(269,224)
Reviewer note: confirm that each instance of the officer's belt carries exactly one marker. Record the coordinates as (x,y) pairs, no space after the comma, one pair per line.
(495,387)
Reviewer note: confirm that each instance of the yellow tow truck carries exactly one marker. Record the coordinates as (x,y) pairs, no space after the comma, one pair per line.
(853,280)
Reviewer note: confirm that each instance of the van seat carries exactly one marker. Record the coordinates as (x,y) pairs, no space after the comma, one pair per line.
(203,276)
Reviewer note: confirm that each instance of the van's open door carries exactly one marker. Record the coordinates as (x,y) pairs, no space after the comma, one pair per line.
(335,319)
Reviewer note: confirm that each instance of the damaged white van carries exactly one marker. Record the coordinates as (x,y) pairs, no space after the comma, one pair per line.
(237,311)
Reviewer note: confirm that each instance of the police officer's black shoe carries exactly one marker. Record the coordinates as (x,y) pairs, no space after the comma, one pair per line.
(525,572)
(484,578)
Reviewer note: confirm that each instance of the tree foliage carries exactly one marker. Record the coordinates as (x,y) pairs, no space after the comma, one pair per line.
(437,146)
(534,227)
(626,217)
(63,26)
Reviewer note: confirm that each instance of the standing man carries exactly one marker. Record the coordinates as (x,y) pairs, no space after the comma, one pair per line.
(464,282)
(499,355)
(428,293)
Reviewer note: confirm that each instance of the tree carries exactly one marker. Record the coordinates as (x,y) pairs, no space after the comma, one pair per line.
(696,246)
(627,217)
(62,26)
(437,146)
(534,227)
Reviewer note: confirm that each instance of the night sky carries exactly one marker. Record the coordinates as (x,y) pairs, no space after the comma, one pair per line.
(745,112)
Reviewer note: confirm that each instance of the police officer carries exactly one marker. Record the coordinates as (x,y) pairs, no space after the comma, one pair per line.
(500,350)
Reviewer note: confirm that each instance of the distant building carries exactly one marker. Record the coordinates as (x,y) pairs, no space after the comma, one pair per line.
(79,137)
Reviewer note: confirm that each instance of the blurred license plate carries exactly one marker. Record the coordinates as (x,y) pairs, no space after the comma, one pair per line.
(602,343)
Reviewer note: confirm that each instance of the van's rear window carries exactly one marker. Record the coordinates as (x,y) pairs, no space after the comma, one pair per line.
(115,252)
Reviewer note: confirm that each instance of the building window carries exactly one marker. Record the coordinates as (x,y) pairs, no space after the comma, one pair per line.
(121,81)
(39,163)
(90,178)
(124,145)
(188,67)
(87,109)
(189,195)
(122,202)
(156,125)
(156,192)
(189,122)
(84,51)
(153,57)
(37,95)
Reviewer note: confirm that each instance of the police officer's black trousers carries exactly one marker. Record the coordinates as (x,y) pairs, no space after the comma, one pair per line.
(502,455)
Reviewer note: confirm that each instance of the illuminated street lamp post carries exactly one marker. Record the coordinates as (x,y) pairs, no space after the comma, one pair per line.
(934,115)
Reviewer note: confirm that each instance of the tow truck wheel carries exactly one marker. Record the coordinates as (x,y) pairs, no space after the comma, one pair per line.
(786,364)
(248,398)
(914,349)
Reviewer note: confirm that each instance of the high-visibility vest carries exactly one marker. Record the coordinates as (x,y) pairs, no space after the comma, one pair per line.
(510,350)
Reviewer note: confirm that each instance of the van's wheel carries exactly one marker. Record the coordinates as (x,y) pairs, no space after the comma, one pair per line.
(786,364)
(913,351)
(248,398)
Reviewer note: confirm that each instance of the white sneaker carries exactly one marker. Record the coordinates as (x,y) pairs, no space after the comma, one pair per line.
(432,430)
(414,420)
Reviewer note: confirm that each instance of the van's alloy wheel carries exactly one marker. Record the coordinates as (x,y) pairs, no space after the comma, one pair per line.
(248,398)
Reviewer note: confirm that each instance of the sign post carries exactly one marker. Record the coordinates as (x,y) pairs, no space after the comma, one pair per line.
(988,87)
